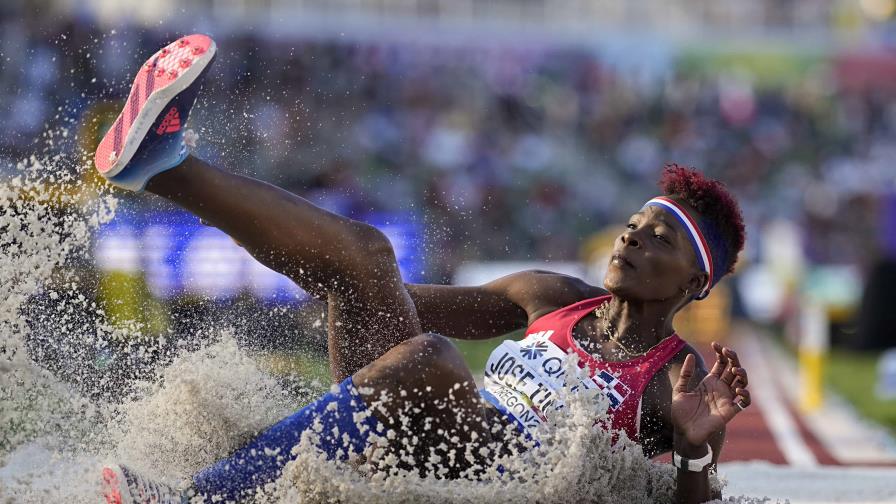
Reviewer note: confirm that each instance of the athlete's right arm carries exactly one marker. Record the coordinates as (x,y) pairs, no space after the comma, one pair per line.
(497,307)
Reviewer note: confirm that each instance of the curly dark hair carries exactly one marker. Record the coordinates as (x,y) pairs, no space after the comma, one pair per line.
(720,219)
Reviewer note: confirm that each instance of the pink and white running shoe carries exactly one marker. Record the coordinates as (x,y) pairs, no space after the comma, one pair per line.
(147,138)
(123,486)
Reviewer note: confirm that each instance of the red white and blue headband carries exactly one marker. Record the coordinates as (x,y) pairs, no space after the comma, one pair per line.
(704,258)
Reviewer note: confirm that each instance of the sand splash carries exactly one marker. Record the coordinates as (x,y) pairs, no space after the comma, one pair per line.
(57,428)
(574,461)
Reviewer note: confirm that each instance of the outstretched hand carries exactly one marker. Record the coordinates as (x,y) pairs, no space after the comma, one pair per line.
(717,399)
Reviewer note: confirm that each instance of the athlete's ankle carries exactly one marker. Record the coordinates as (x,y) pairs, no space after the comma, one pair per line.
(169,180)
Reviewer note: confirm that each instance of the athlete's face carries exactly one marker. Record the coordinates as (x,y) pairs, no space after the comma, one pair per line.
(653,260)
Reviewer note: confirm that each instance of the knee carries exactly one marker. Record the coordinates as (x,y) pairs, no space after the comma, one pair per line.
(425,366)
(371,243)
(367,259)
(435,352)
(438,373)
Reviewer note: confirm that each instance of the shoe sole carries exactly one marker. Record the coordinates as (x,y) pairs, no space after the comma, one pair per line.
(166,74)
(111,487)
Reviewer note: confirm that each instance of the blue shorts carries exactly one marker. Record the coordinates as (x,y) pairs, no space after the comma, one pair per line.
(262,460)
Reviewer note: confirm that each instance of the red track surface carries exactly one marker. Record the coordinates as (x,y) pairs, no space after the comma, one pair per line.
(748,436)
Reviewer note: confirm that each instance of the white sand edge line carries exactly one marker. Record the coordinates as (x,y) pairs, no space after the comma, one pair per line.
(818,485)
(845,434)
(765,396)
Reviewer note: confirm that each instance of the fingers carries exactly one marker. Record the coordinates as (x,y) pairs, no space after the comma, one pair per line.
(728,374)
(721,361)
(732,356)
(740,378)
(687,371)
(728,370)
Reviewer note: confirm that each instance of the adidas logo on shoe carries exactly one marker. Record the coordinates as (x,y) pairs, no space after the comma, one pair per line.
(170,123)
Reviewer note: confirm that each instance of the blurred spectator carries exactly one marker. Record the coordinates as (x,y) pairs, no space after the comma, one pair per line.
(877,319)
(508,154)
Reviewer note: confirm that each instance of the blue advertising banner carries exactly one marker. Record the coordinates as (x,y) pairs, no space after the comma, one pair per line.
(180,256)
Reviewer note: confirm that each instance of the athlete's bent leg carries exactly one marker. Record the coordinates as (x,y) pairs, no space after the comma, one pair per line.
(432,398)
(349,263)
(341,421)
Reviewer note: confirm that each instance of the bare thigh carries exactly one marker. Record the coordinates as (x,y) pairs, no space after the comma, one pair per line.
(347,263)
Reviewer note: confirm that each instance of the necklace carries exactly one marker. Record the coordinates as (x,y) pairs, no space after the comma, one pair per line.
(601,313)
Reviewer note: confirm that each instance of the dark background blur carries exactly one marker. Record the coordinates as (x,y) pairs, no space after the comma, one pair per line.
(504,131)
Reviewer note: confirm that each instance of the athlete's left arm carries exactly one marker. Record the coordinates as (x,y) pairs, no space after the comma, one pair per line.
(702,404)
(498,307)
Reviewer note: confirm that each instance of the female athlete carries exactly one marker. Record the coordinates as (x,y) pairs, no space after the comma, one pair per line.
(387,337)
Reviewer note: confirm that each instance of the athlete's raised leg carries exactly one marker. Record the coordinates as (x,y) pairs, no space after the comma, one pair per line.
(348,263)
(374,331)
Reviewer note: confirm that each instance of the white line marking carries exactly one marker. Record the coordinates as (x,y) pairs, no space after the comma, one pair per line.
(780,422)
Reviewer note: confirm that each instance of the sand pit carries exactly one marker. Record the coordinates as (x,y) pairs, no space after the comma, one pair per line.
(55,434)
(817,485)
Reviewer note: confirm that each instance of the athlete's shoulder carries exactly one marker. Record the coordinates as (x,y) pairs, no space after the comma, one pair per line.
(542,291)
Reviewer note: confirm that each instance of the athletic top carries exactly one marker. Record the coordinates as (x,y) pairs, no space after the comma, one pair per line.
(522,377)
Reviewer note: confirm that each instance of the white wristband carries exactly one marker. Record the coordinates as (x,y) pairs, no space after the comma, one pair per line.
(693,465)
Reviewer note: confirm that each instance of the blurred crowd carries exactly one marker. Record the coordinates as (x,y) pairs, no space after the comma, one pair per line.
(502,152)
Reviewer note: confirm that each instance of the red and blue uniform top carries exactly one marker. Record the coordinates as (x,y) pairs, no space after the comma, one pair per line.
(522,377)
